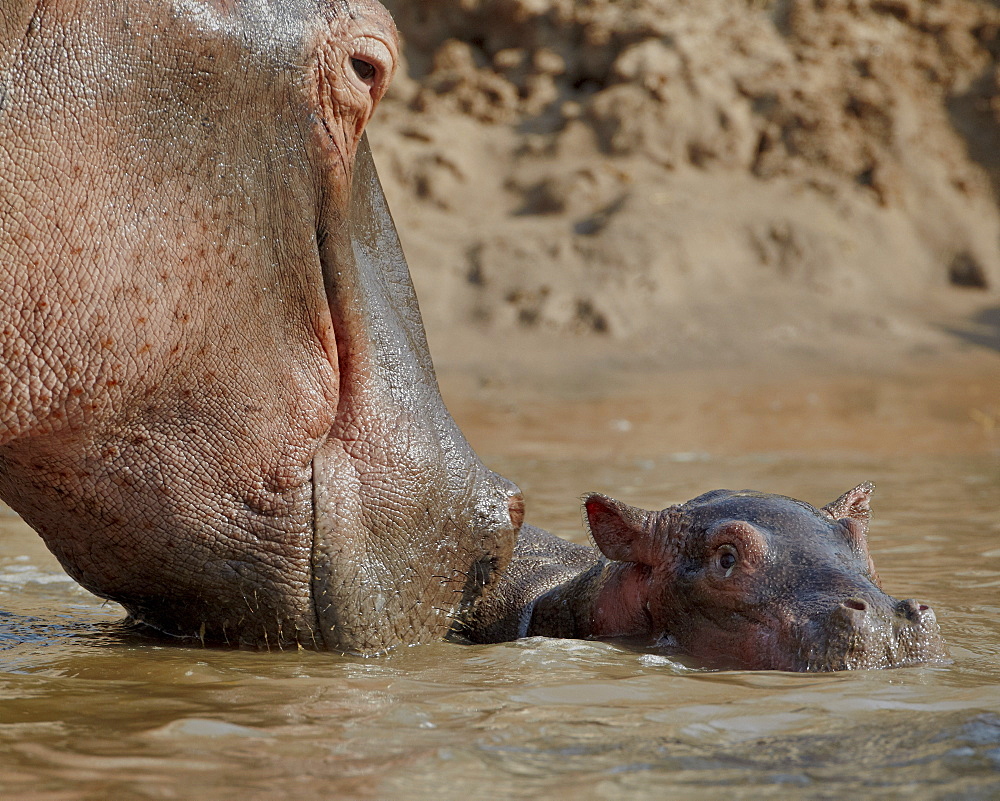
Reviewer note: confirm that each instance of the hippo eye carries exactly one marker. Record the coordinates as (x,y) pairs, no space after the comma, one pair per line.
(728,559)
(364,70)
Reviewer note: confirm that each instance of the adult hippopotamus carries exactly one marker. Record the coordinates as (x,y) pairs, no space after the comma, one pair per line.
(216,401)
(735,579)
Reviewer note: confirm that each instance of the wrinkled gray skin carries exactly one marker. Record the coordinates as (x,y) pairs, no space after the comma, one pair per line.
(735,579)
(216,401)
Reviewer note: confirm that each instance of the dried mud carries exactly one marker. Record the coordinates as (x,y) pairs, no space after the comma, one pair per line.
(602,193)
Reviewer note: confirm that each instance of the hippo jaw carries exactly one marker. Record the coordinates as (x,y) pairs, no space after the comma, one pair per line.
(404,512)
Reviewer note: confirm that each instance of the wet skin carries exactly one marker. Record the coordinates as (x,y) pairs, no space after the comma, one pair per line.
(216,401)
(735,579)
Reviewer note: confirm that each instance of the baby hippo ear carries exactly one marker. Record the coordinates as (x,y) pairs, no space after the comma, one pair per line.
(622,532)
(853,505)
(853,511)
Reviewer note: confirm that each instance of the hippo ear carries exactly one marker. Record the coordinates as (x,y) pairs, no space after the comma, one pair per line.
(622,532)
(852,509)
(853,505)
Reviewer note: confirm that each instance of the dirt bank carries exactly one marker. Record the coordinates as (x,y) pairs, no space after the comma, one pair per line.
(716,226)
(696,183)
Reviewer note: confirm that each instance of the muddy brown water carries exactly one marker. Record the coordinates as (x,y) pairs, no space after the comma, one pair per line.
(86,715)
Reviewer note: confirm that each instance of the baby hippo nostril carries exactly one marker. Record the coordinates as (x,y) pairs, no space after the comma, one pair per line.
(853,612)
(913,610)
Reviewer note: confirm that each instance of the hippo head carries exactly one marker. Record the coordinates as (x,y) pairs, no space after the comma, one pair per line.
(216,401)
(756,581)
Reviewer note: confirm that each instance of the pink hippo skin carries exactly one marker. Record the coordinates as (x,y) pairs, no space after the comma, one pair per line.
(216,401)
(734,579)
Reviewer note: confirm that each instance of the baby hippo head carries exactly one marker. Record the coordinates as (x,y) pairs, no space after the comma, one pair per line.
(755,581)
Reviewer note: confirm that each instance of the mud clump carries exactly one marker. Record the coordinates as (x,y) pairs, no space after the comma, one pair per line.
(618,167)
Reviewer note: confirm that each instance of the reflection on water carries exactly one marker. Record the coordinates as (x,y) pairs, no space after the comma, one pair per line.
(85,714)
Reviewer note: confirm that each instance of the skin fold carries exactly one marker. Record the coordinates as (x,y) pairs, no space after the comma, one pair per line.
(735,579)
(216,401)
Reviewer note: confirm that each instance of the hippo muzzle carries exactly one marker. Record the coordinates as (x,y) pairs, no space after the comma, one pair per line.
(873,633)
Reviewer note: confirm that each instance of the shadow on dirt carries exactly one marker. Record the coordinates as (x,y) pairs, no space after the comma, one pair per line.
(983,329)
(976,116)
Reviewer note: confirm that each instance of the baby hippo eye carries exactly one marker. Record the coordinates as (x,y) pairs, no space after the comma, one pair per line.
(727,559)
(365,70)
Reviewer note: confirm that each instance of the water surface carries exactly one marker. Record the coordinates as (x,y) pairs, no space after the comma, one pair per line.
(86,715)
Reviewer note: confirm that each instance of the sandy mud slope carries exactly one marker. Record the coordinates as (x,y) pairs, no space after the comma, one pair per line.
(700,180)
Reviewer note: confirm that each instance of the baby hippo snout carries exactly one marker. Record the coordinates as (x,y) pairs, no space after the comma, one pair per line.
(882,632)
(855,613)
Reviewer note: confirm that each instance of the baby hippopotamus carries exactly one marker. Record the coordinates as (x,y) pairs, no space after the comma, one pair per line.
(735,579)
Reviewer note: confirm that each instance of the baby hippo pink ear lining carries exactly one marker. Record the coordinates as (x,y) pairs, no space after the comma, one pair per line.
(622,532)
